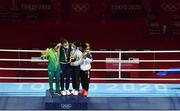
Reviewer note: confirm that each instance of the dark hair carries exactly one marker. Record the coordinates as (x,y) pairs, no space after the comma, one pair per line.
(77,43)
(52,45)
(84,46)
(63,40)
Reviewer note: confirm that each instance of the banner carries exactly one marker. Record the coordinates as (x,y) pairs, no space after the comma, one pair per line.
(124,9)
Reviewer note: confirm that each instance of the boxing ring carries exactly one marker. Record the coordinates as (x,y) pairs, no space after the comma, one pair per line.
(131,84)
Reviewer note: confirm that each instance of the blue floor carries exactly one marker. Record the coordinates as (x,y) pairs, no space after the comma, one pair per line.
(96,90)
(101,96)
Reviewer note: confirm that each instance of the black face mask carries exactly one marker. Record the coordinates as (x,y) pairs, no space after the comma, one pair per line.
(82,50)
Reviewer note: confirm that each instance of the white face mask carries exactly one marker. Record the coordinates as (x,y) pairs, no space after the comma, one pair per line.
(73,48)
(66,46)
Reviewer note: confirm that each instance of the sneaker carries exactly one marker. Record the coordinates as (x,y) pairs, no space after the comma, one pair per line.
(68,92)
(63,93)
(58,92)
(81,91)
(75,93)
(72,92)
(85,93)
(51,90)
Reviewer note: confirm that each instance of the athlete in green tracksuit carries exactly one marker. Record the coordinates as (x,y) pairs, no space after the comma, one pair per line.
(54,69)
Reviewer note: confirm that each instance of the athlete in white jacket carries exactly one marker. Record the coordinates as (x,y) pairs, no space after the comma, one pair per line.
(85,68)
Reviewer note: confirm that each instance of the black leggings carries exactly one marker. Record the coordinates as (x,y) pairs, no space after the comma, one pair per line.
(85,79)
(75,77)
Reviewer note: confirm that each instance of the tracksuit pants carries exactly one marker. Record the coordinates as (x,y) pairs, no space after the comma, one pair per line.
(51,75)
(76,77)
(85,79)
(66,74)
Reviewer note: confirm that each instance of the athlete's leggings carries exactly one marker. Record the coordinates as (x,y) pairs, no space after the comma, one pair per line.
(75,77)
(85,79)
(66,74)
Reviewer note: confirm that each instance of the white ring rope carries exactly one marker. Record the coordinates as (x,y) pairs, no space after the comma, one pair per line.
(124,79)
(103,70)
(135,61)
(111,61)
(23,60)
(138,79)
(145,51)
(13,50)
(26,78)
(100,70)
(24,69)
(134,70)
(150,51)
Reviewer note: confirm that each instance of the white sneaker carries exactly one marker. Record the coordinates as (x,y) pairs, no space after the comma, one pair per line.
(76,93)
(68,92)
(72,92)
(63,93)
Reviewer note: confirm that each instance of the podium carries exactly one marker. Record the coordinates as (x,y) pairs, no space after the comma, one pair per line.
(55,101)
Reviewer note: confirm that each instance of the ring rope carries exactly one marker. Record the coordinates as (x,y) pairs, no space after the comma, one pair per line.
(113,61)
(100,70)
(125,79)
(148,51)
(110,70)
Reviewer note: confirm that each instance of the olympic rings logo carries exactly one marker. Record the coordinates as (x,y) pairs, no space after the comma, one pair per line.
(80,7)
(66,106)
(170,7)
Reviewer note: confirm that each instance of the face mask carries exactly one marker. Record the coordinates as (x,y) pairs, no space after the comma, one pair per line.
(66,46)
(73,48)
